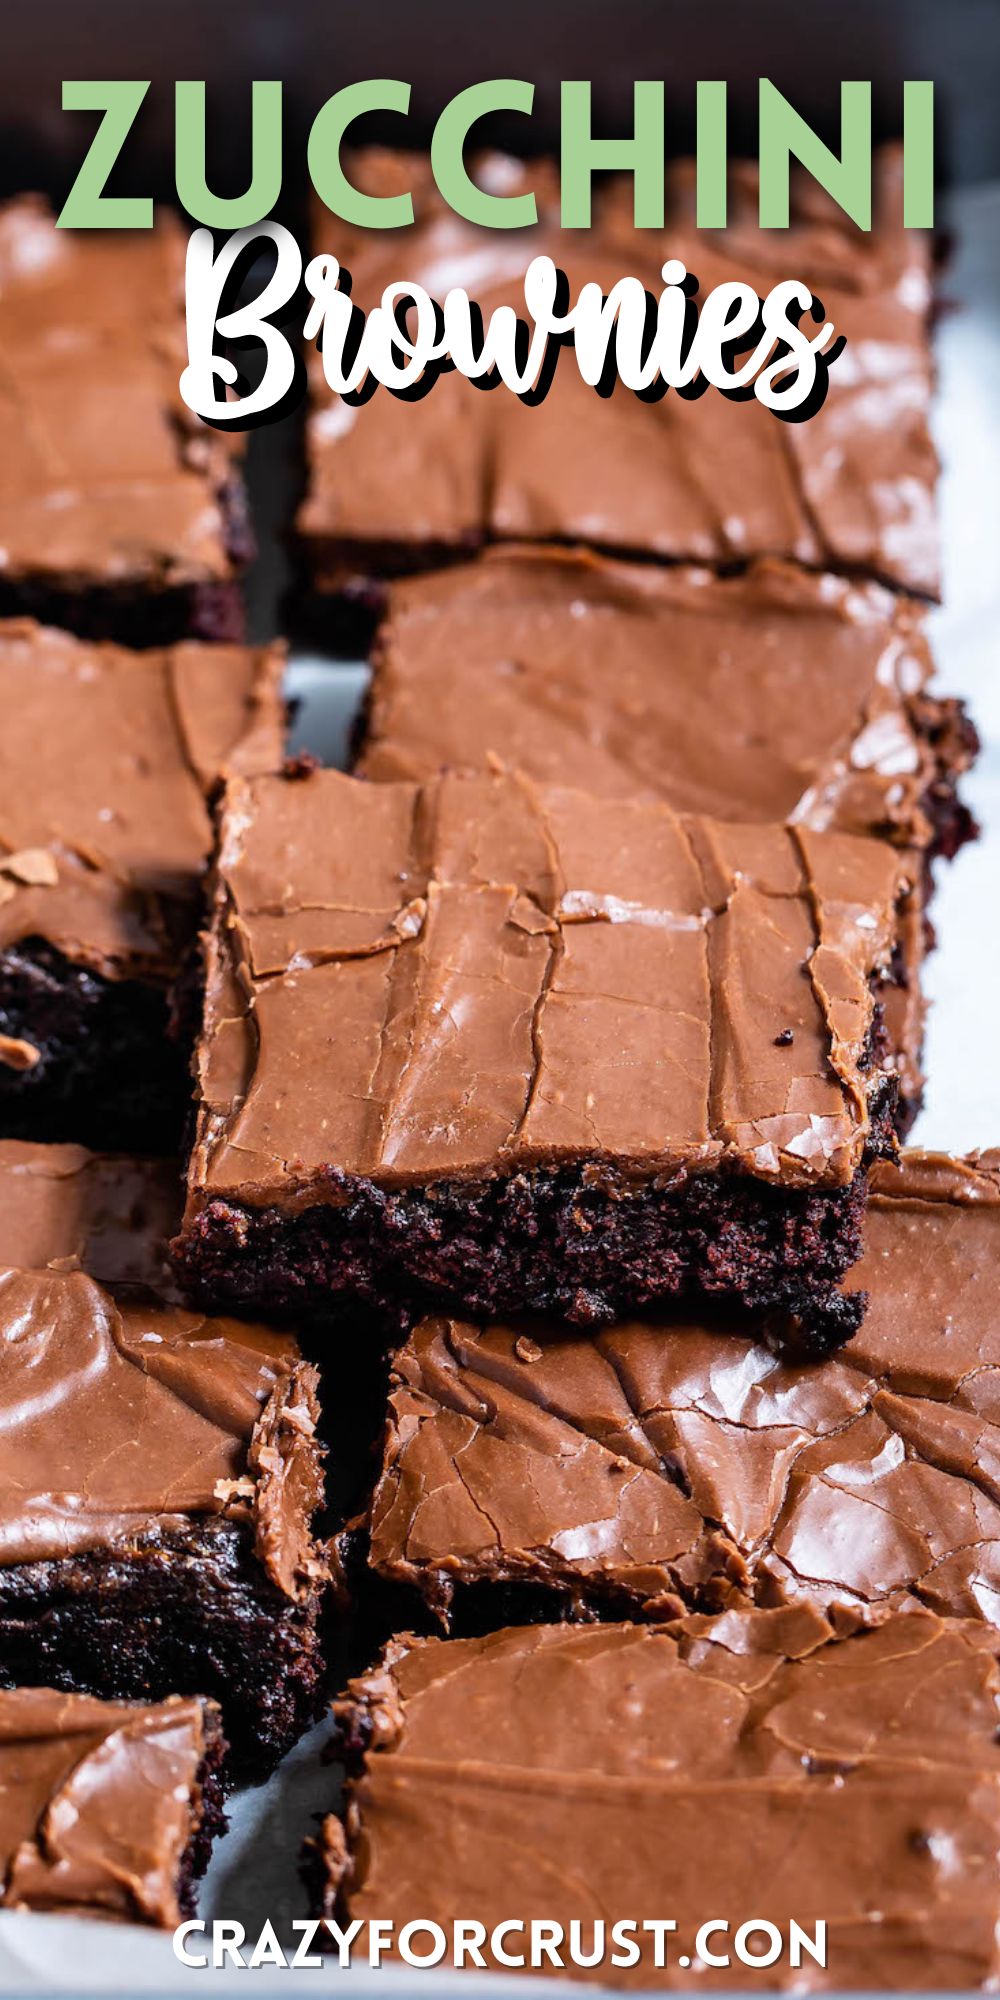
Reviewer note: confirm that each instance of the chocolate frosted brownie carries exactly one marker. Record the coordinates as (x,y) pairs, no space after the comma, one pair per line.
(107,1809)
(160,1472)
(751,1769)
(104,1213)
(108,760)
(121,515)
(777,694)
(395,485)
(659,1465)
(518,1047)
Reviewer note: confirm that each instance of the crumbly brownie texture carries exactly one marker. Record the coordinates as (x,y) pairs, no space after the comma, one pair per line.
(395,486)
(902,1009)
(520,1046)
(659,1464)
(152,1610)
(121,515)
(160,1476)
(85,1055)
(558,1773)
(777,694)
(107,1809)
(108,760)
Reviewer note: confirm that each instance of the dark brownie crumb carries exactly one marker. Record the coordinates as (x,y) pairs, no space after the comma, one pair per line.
(188,1614)
(301,765)
(954,739)
(109,1073)
(584,1246)
(211,1820)
(211,611)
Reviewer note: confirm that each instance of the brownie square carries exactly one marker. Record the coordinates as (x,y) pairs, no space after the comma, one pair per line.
(396,485)
(121,514)
(107,1809)
(755,1768)
(514,1046)
(108,763)
(660,1466)
(161,1469)
(776,694)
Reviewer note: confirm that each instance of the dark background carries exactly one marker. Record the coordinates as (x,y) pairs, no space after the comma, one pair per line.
(805,46)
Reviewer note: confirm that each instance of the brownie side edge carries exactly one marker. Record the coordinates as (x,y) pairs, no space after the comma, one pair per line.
(132,615)
(209,1819)
(108,1072)
(559,1242)
(185,1613)
(953,743)
(147,612)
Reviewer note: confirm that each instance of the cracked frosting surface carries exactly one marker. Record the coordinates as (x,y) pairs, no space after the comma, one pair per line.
(773,695)
(477,975)
(106,478)
(98,1802)
(125,1415)
(707,480)
(753,1766)
(659,1461)
(108,759)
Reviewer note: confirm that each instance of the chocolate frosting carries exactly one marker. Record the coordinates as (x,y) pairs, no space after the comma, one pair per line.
(772,695)
(109,1214)
(106,478)
(750,1767)
(480,975)
(660,1462)
(706,480)
(98,1802)
(105,826)
(124,1416)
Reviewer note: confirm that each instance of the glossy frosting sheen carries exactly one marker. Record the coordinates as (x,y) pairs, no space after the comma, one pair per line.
(708,480)
(773,695)
(106,1213)
(124,1416)
(748,1767)
(105,825)
(660,1462)
(106,479)
(98,1802)
(477,975)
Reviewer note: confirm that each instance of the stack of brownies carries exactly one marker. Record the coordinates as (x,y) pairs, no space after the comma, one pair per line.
(561,1058)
